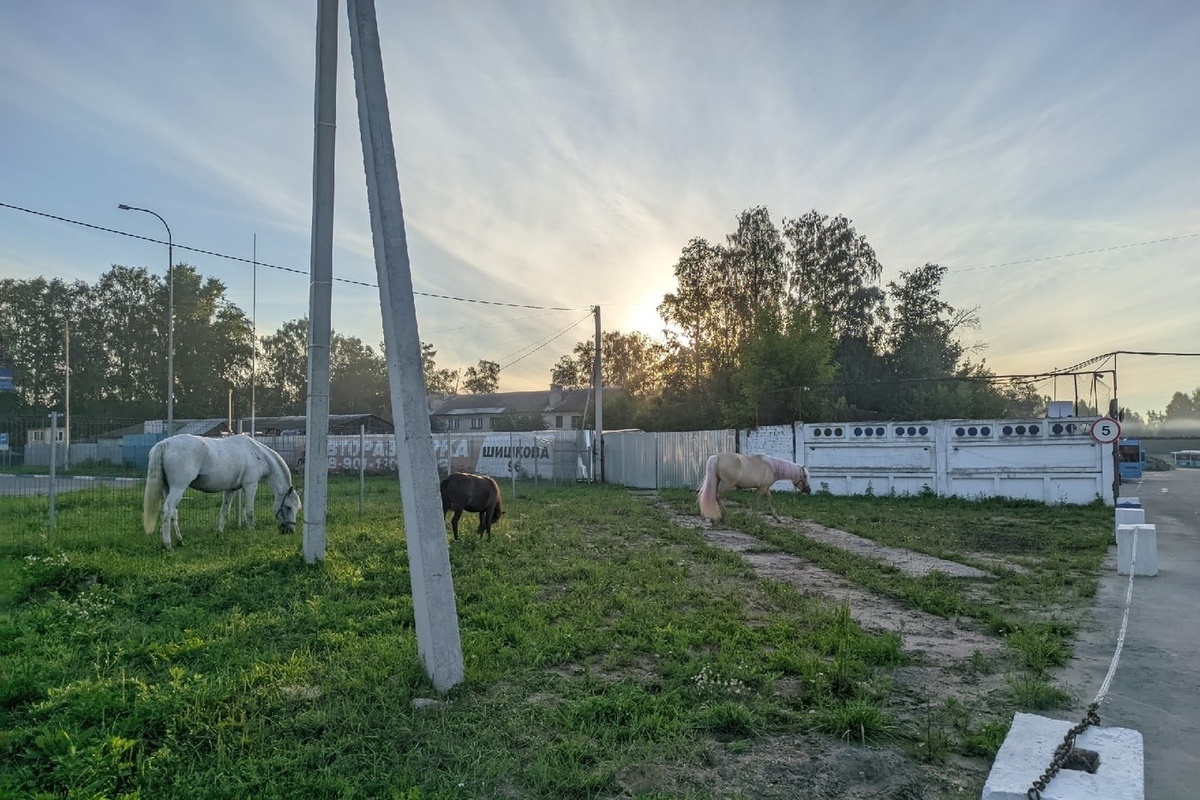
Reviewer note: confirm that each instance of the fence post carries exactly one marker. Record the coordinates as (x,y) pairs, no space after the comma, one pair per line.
(53,462)
(362,468)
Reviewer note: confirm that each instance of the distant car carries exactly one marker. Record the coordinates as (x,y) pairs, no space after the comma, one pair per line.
(291,432)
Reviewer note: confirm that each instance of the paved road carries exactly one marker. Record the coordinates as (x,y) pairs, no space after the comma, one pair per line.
(18,485)
(1156,686)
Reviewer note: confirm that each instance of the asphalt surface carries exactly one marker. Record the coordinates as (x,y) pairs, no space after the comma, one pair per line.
(17,485)
(1156,685)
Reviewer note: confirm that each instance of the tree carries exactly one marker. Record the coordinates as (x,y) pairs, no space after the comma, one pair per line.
(692,309)
(33,318)
(832,272)
(358,378)
(631,361)
(784,374)
(483,378)
(213,344)
(569,372)
(437,381)
(1183,406)
(284,368)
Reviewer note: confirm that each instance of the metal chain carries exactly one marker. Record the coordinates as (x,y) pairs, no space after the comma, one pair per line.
(1063,751)
(1092,715)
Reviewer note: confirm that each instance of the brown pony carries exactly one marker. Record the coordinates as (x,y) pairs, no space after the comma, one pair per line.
(727,471)
(464,491)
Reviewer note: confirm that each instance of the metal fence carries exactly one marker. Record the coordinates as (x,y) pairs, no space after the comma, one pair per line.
(92,475)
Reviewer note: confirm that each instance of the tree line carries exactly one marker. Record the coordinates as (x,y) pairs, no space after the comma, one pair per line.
(113,335)
(777,323)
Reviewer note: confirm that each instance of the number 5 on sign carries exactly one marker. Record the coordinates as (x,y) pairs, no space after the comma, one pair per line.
(1106,430)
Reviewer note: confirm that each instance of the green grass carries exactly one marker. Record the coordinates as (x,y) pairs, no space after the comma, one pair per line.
(597,637)
(1055,552)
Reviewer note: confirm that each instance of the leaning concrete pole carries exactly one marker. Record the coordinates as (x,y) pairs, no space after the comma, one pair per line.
(438,640)
(320,287)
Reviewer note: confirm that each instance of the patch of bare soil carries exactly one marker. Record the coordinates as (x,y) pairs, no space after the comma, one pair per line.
(945,641)
(916,565)
(946,654)
(808,767)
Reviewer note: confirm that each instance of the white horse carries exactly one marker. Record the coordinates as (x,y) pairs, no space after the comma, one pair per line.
(214,465)
(727,471)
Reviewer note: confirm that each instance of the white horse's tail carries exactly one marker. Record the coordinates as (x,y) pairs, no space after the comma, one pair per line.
(707,496)
(152,500)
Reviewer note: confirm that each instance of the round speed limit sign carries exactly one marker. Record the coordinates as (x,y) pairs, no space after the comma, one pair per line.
(1106,430)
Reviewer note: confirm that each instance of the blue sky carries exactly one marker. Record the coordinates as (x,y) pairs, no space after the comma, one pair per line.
(561,154)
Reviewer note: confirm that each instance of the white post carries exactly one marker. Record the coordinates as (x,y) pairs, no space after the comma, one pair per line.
(436,618)
(320,298)
(254,335)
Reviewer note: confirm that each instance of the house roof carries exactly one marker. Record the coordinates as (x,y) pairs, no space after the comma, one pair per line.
(566,401)
(336,421)
(217,426)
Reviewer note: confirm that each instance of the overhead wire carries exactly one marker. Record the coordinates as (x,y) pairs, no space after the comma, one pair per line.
(273,266)
(546,341)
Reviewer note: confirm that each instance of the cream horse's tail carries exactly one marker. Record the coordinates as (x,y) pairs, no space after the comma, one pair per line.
(152,500)
(707,496)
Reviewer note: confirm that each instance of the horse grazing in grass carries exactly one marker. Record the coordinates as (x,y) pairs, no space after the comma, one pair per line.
(464,491)
(727,471)
(214,465)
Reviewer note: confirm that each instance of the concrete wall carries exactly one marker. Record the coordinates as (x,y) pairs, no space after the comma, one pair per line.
(1048,460)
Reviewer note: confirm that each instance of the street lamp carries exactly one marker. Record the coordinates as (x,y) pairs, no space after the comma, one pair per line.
(170,319)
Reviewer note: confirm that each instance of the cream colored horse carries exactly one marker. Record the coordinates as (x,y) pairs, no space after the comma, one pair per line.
(727,471)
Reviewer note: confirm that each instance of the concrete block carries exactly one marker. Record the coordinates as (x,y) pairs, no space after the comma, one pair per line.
(1147,549)
(1127,515)
(1129,502)
(1030,745)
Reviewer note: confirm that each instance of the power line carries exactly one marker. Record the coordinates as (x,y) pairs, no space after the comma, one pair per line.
(1072,255)
(547,341)
(1115,353)
(274,266)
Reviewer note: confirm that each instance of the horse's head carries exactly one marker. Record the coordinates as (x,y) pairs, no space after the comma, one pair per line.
(287,510)
(801,482)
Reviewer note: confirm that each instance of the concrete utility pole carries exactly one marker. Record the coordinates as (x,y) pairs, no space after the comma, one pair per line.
(320,292)
(438,641)
(598,382)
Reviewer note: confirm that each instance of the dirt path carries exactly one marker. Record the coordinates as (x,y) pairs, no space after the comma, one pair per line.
(941,640)
(945,654)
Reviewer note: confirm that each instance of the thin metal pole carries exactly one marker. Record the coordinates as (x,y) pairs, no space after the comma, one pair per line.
(170,316)
(362,468)
(53,461)
(67,354)
(598,381)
